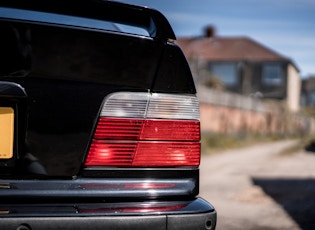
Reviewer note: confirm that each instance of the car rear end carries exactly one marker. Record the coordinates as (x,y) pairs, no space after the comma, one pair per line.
(99,128)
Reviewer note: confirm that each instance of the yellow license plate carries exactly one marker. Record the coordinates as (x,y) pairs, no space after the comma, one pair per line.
(6,132)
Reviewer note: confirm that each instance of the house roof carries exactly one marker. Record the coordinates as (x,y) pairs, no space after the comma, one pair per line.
(227,49)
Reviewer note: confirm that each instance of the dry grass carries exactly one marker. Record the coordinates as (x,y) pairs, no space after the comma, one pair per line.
(303,143)
(215,143)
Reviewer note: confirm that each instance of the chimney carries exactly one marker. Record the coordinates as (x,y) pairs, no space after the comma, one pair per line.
(210,31)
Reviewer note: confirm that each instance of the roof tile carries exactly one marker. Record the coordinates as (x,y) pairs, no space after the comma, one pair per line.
(227,49)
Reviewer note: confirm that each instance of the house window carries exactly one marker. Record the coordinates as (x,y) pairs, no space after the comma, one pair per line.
(272,74)
(226,72)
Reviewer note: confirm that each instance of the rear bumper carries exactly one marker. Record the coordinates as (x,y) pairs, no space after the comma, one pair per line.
(98,188)
(193,214)
(197,221)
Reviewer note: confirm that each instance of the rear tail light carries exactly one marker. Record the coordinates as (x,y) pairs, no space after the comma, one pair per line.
(146,130)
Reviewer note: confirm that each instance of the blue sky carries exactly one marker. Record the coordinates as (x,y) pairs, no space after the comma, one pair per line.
(285,26)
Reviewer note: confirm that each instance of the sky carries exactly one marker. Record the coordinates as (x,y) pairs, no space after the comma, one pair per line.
(285,26)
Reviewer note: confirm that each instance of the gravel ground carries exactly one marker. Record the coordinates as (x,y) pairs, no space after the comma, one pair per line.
(259,188)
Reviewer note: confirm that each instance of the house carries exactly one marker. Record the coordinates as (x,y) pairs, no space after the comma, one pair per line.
(242,65)
(308,92)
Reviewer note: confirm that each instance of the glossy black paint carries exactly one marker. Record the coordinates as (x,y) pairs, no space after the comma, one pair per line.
(190,206)
(198,213)
(14,96)
(72,71)
(97,189)
(149,19)
(58,77)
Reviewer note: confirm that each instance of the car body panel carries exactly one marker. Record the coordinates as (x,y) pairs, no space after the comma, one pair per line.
(56,77)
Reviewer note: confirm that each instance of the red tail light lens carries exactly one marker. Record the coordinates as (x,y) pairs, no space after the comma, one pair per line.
(118,128)
(147,130)
(143,154)
(141,129)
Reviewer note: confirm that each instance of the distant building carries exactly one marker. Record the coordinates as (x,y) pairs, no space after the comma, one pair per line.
(308,92)
(242,65)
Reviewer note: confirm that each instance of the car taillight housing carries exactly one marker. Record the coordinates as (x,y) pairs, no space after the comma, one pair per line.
(146,130)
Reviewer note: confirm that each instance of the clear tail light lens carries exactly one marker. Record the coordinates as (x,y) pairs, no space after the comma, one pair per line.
(146,130)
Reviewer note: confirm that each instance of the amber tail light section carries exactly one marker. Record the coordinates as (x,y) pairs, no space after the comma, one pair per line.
(146,130)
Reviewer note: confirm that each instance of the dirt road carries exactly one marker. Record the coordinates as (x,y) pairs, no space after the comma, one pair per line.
(258,188)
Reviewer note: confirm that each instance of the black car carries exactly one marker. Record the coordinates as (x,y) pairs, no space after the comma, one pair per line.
(99,128)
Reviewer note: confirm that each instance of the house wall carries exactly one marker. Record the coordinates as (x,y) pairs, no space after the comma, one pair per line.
(249,81)
(293,88)
(245,76)
(308,92)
